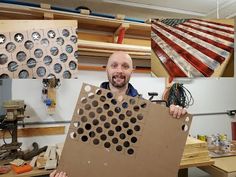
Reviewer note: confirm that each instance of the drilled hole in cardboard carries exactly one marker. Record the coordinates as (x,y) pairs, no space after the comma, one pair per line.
(113,101)
(103,118)
(107,145)
(114,121)
(95,103)
(87,88)
(73,39)
(44,42)
(63,57)
(80,111)
(4,76)
(110,113)
(36,36)
(102,98)
(99,110)
(185,127)
(106,106)
(88,126)
(83,100)
(134,139)
(95,122)
(103,137)
(84,138)
(72,65)
(21,56)
(136,108)
(118,128)
(107,125)
(29,45)
(122,136)
(72,135)
(96,141)
(12,66)
(60,41)
(129,113)
(87,107)
(31,63)
(91,95)
(140,117)
(98,91)
(99,130)
(80,130)
(18,37)
(41,71)
(132,101)
(38,53)
(92,134)
(143,105)
(130,151)
(57,68)
(65,32)
(122,117)
(51,34)
(84,119)
(133,120)
(23,74)
(109,95)
(76,124)
(91,114)
(115,140)
(69,48)
(66,75)
(10,47)
(117,109)
(129,131)
(47,60)
(3,59)
(137,128)
(111,132)
(125,124)
(125,105)
(119,148)
(126,144)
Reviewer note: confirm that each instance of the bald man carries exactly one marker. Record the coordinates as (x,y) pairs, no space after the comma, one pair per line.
(119,69)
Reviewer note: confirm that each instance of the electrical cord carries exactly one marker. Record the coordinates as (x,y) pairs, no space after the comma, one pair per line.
(179,95)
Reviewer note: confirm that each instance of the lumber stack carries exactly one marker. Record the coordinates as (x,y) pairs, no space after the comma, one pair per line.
(195,151)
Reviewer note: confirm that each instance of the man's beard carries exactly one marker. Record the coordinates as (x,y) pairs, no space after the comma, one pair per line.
(114,78)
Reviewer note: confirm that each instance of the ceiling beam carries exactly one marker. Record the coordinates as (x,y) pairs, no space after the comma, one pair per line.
(154,7)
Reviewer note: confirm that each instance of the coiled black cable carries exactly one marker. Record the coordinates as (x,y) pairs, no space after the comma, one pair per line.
(179,95)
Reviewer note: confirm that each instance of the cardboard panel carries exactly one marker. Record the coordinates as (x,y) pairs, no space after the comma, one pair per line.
(118,136)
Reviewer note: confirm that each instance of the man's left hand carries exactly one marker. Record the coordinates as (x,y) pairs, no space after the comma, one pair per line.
(177,111)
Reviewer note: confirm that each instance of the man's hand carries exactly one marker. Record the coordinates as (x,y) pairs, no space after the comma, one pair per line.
(177,111)
(58,174)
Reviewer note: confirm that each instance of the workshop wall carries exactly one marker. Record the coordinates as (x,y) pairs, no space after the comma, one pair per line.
(67,95)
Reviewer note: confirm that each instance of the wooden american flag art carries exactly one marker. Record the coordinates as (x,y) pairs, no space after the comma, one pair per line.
(191,47)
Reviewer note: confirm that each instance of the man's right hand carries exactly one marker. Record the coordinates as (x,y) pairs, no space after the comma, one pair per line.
(58,174)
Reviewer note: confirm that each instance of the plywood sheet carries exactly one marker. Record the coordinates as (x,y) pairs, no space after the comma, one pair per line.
(118,136)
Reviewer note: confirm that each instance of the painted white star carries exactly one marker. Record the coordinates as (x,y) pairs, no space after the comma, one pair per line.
(51,34)
(36,36)
(2,40)
(19,38)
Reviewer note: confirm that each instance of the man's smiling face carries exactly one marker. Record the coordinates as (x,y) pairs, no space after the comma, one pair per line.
(119,69)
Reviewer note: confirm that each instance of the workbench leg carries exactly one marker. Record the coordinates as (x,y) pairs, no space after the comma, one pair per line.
(183,172)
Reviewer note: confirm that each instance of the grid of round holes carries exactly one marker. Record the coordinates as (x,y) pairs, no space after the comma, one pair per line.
(107,122)
(35,43)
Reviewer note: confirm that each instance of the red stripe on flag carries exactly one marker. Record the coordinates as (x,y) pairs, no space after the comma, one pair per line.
(205,70)
(221,24)
(195,45)
(211,33)
(170,66)
(213,27)
(222,46)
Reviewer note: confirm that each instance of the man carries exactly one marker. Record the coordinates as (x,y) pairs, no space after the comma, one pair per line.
(119,70)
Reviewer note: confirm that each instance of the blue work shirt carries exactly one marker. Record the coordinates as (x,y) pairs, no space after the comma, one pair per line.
(131,91)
